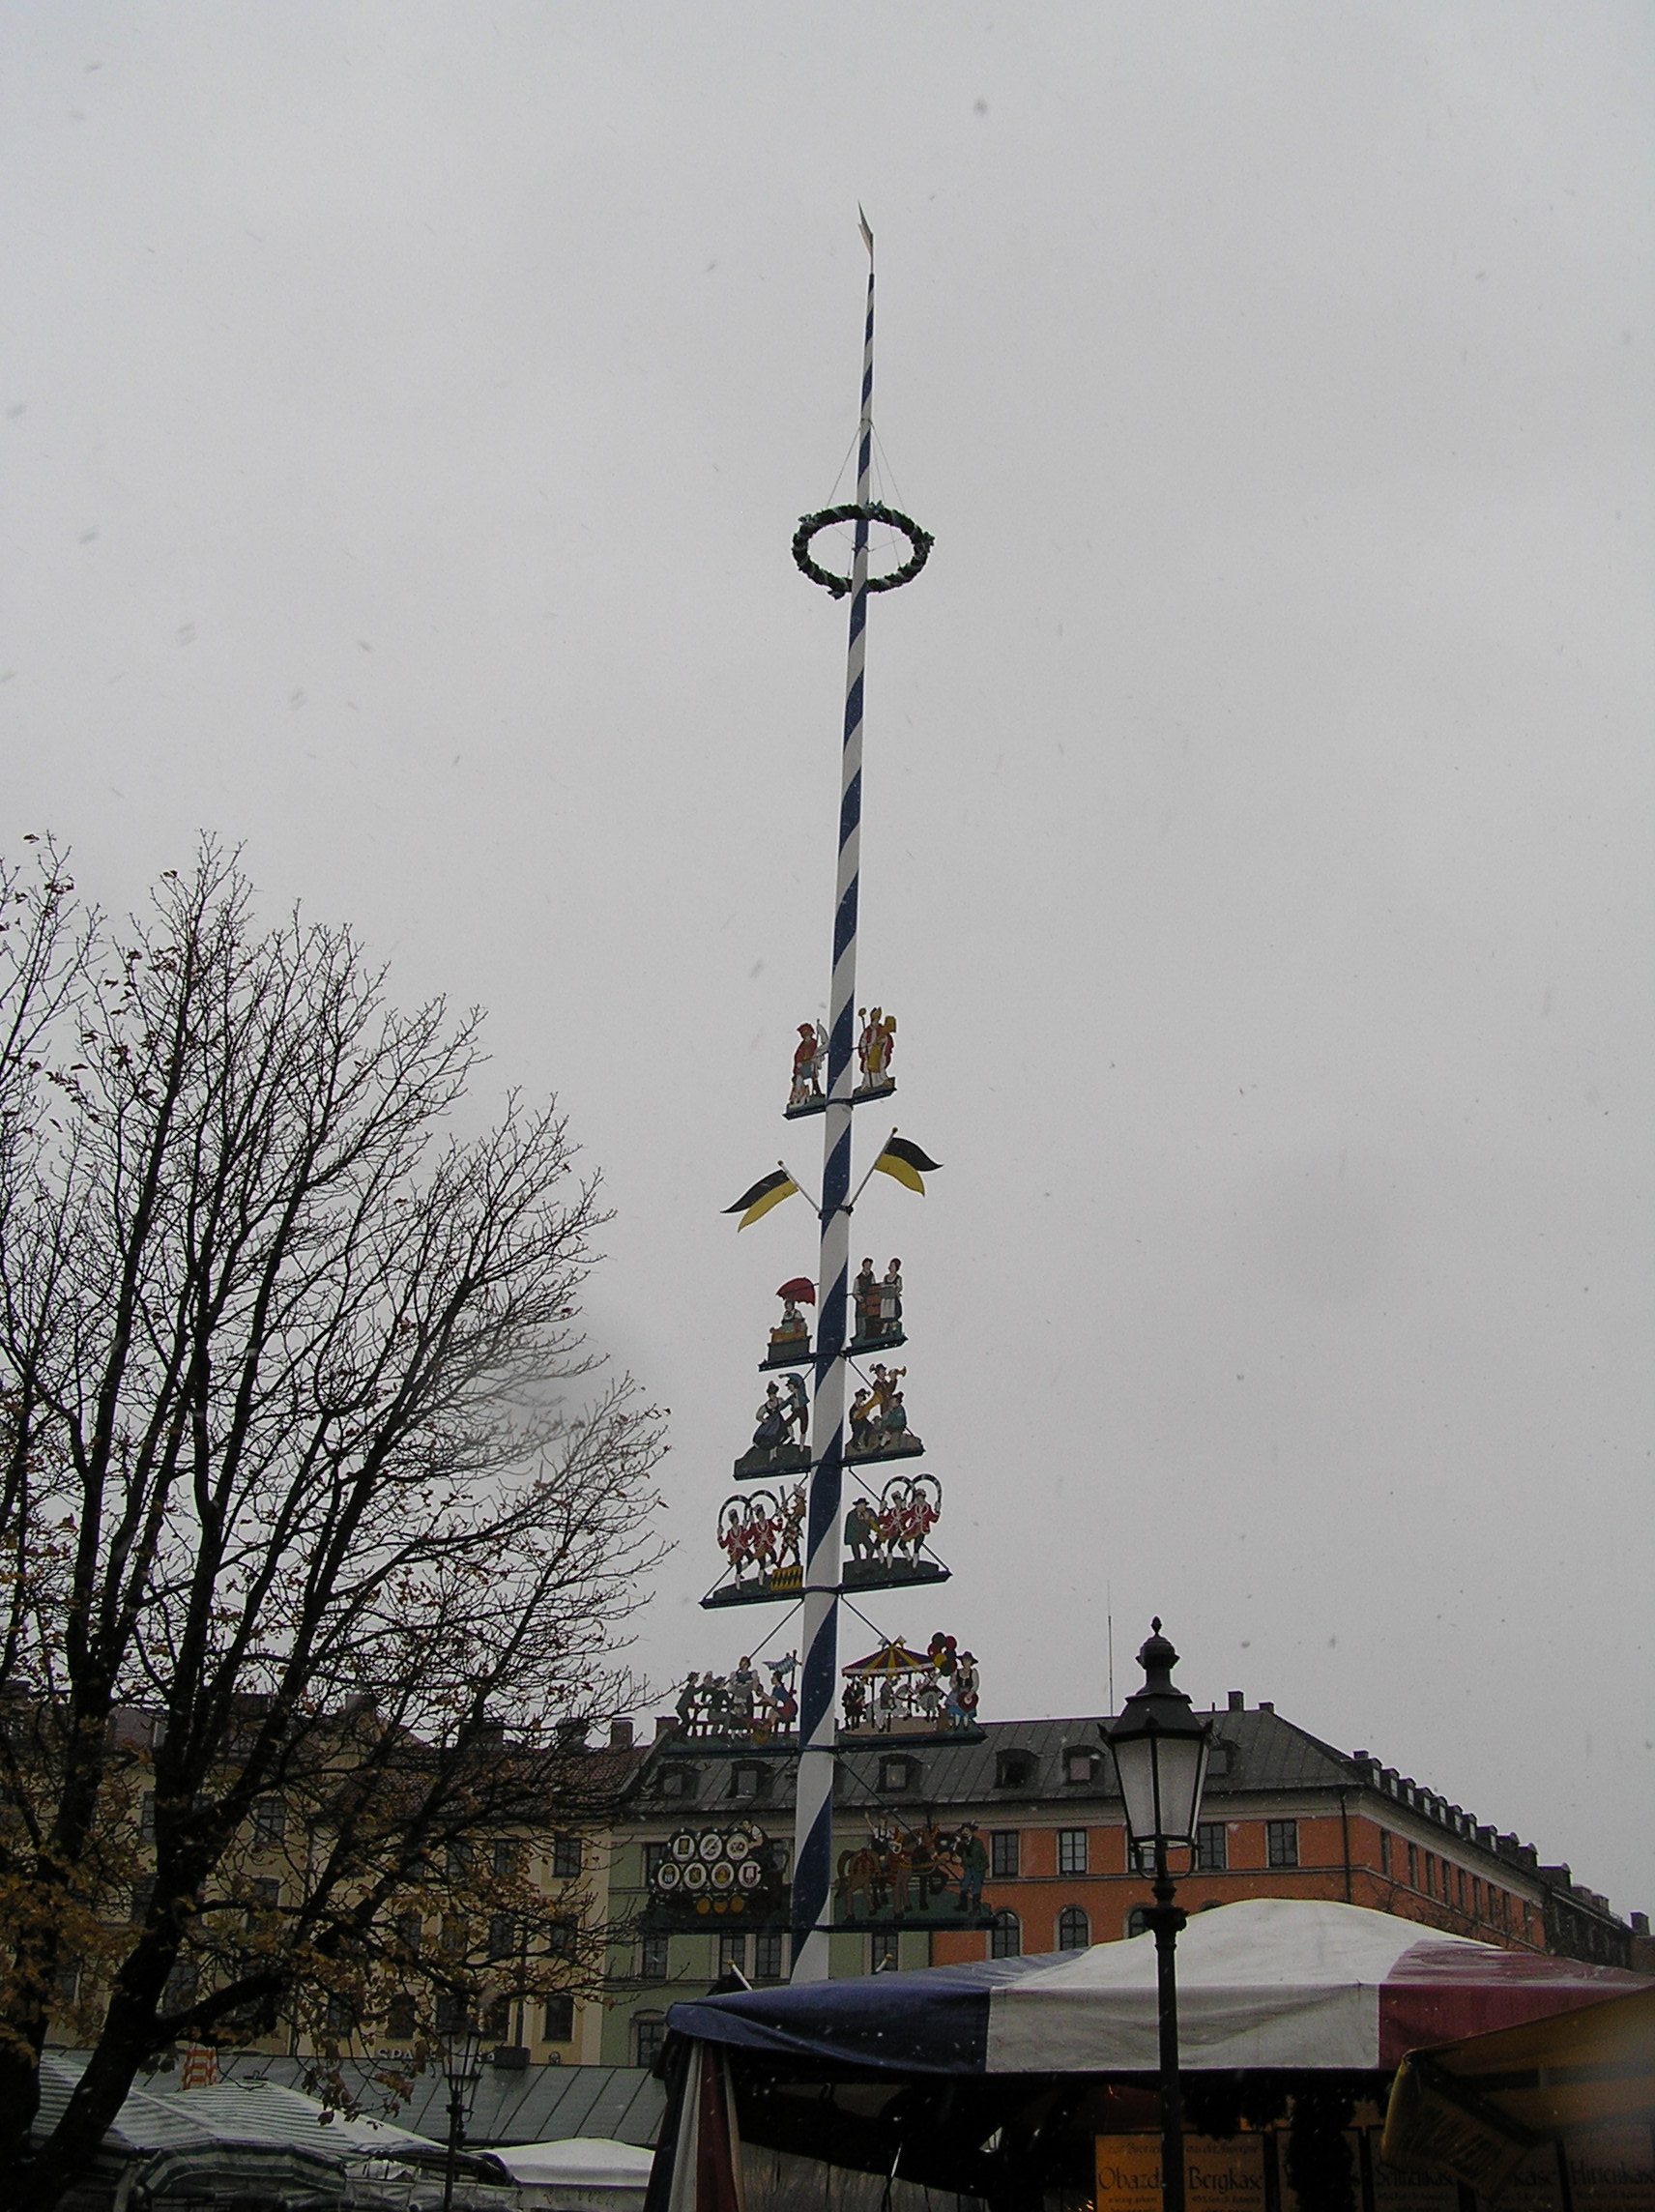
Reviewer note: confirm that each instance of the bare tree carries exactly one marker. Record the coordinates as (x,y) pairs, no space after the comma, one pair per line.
(294,1510)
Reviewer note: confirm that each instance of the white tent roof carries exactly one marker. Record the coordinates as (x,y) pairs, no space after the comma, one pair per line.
(578,2161)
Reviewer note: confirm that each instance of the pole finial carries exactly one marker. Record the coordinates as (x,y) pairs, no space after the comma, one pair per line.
(867,231)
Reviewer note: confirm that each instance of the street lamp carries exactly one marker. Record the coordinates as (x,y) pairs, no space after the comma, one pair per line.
(1159,1746)
(462,2053)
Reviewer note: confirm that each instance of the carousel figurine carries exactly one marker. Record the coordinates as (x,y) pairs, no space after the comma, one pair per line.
(789,1529)
(874,1048)
(809,1057)
(790,1339)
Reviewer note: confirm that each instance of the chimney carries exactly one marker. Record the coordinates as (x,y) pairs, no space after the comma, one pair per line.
(1266,1706)
(620,1734)
(1237,1702)
(665,1724)
(1641,1923)
(571,1736)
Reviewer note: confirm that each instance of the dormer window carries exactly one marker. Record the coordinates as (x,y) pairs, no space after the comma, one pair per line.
(1014,1770)
(1080,1764)
(897,1773)
(746,1779)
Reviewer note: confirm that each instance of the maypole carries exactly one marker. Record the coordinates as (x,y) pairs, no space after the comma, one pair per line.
(819,1683)
(782,1544)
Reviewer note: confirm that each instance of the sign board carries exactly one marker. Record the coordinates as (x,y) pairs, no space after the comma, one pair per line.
(1128,2173)
(1610,2171)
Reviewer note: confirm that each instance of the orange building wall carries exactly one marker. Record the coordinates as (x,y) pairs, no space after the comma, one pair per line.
(1107,1891)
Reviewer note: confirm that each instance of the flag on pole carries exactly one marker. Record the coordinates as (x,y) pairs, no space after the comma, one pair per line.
(863,224)
(906,1162)
(769,1190)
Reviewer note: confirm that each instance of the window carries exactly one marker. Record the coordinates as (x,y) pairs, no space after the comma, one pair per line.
(143,1889)
(732,1952)
(893,1774)
(648,2033)
(1384,1850)
(270,1821)
(1006,1936)
(566,1858)
(882,1952)
(502,1934)
(505,1856)
(1137,1920)
(408,1930)
(653,1955)
(770,1956)
(1079,1766)
(1413,1866)
(562,1939)
(1460,1886)
(1211,1847)
(180,1987)
(1013,1770)
(458,1861)
(267,1898)
(401,2020)
(146,1818)
(1004,1853)
(342,2013)
(1281,1843)
(677,1781)
(746,1779)
(557,2024)
(1071,1850)
(450,2015)
(1074,1929)
(655,1858)
(496,2021)
(1430,1874)
(1477,1895)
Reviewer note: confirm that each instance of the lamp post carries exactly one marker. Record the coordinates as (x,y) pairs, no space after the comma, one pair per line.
(1159,1746)
(462,2050)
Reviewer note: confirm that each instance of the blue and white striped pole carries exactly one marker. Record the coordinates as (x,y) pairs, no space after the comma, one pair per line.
(819,1688)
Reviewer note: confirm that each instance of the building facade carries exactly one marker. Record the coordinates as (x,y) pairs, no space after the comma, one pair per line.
(1284,1814)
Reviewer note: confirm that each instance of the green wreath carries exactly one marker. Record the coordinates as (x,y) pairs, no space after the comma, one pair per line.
(921,542)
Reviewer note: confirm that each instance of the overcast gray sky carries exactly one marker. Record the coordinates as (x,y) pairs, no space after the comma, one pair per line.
(407,410)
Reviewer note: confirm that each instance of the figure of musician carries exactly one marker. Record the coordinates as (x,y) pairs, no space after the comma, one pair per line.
(743,1689)
(864,1418)
(855,1702)
(890,1299)
(792,1329)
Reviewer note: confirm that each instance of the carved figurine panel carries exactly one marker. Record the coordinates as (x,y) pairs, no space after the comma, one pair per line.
(876,1302)
(886,1539)
(733,1873)
(878,1418)
(748,1706)
(779,1445)
(790,1339)
(924,1876)
(896,1690)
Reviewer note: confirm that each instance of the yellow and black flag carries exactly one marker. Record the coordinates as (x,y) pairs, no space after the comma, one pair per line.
(769,1190)
(907,1162)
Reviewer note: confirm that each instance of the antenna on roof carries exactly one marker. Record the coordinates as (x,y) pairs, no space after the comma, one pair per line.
(1109,1618)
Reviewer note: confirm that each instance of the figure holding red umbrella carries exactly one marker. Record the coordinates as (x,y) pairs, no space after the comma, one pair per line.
(791,1339)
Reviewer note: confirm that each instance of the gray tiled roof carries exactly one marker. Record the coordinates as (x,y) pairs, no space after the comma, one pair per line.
(1254,1751)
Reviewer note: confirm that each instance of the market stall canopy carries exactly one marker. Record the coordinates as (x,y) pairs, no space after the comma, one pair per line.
(1476,2108)
(1268,1982)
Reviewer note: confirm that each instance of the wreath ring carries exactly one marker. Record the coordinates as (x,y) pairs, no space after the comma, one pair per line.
(919,543)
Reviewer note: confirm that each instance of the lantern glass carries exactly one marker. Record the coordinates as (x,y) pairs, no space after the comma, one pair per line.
(1160,1746)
